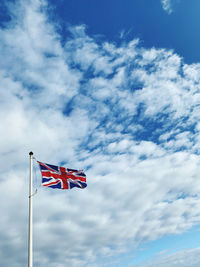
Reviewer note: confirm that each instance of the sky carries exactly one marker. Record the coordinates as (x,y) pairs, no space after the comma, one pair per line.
(111,87)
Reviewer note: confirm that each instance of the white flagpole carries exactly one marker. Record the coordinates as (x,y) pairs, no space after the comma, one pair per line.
(30,239)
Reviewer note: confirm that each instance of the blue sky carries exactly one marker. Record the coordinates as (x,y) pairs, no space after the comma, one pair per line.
(146,20)
(111,88)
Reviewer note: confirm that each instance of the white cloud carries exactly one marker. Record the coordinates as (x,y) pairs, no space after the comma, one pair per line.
(126,114)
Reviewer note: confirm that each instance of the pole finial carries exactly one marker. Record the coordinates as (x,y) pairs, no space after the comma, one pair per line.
(31,153)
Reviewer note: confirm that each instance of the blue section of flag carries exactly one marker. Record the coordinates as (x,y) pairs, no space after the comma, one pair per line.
(53,167)
(57,186)
(44,180)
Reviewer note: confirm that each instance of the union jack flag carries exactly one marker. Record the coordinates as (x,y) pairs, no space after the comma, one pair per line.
(61,178)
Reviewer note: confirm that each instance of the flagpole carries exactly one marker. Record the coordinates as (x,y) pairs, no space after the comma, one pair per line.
(30,239)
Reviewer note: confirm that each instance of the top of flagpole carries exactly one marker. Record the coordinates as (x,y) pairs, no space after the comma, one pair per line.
(31,153)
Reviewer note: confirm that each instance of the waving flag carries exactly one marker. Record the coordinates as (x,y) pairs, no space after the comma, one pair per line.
(61,178)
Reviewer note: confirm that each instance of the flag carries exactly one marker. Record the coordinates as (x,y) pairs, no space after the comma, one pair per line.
(61,178)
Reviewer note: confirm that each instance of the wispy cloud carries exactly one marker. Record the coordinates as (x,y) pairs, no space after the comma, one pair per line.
(167,5)
(183,258)
(127,114)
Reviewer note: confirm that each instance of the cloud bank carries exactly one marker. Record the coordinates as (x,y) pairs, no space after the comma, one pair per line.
(127,114)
